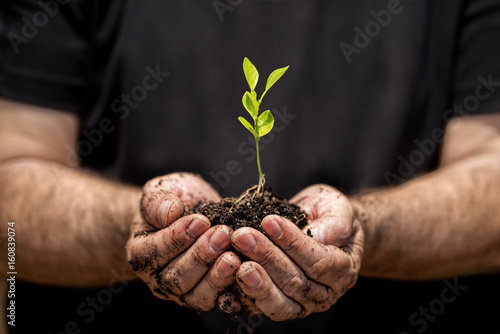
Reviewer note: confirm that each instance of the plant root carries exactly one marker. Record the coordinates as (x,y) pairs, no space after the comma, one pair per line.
(260,187)
(258,191)
(247,193)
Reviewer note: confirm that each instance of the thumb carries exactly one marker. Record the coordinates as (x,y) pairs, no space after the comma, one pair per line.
(330,230)
(190,188)
(160,208)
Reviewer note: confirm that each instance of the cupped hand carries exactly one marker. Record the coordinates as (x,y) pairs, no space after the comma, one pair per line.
(293,273)
(180,257)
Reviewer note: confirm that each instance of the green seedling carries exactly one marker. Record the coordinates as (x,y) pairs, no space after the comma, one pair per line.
(263,123)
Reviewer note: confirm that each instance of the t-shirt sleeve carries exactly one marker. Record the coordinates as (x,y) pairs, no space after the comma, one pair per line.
(477,70)
(51,51)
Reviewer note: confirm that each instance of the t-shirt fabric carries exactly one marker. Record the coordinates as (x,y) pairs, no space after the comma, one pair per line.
(158,87)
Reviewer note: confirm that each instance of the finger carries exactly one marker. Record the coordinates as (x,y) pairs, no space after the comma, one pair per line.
(306,199)
(161,208)
(330,214)
(287,276)
(205,295)
(229,303)
(268,298)
(330,230)
(151,250)
(324,264)
(185,271)
(190,188)
(321,199)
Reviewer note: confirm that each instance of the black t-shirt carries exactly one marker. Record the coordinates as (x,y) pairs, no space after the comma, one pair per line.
(158,85)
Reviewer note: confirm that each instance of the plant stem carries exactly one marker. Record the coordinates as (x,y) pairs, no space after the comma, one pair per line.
(260,101)
(258,157)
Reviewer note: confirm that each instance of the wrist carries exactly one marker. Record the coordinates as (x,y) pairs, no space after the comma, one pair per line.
(364,207)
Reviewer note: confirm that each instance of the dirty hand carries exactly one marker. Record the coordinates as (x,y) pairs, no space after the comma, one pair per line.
(180,257)
(291,275)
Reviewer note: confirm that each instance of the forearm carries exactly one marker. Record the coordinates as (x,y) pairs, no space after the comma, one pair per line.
(71,227)
(442,224)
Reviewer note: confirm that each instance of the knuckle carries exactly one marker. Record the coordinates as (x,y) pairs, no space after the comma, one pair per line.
(349,281)
(331,297)
(214,284)
(295,284)
(324,305)
(201,258)
(292,245)
(170,282)
(140,259)
(264,294)
(289,312)
(267,259)
(175,242)
(323,299)
(344,229)
(202,306)
(198,303)
(157,292)
(319,269)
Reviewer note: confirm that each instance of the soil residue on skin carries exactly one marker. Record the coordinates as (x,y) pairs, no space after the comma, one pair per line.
(248,210)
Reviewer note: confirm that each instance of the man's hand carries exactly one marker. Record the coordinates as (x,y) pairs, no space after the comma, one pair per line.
(180,257)
(292,275)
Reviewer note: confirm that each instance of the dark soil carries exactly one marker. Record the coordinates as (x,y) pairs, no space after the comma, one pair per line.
(250,210)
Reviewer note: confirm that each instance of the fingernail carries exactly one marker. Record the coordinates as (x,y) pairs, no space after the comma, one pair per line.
(163,211)
(245,242)
(272,228)
(251,278)
(197,228)
(317,234)
(219,240)
(226,268)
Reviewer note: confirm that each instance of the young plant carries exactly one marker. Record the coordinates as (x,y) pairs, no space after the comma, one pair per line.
(263,123)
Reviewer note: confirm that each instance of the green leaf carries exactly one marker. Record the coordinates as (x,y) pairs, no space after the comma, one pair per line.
(251,73)
(265,123)
(251,105)
(247,125)
(275,76)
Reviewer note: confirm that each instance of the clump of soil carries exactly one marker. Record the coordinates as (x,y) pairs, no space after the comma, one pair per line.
(249,209)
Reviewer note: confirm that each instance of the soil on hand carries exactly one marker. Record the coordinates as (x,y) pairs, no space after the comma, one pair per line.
(249,209)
